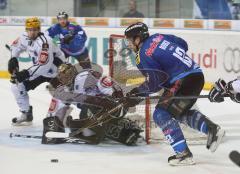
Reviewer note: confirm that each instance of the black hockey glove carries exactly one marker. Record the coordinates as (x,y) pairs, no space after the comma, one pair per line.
(230,91)
(68,38)
(20,76)
(218,91)
(13,65)
(131,98)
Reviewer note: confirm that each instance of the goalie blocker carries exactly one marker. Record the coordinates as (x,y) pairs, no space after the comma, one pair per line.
(99,123)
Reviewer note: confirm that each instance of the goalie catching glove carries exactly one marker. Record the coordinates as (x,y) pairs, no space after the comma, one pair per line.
(131,98)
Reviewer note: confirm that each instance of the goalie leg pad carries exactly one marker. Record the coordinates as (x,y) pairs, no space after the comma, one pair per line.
(55,125)
(93,135)
(123,130)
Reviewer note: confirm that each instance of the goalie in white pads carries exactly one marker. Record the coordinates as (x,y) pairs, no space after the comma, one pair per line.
(46,57)
(100,94)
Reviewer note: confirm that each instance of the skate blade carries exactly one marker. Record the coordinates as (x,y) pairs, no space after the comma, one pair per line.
(26,123)
(221,133)
(186,162)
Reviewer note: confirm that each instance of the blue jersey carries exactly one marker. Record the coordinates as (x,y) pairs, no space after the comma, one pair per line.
(77,45)
(162,59)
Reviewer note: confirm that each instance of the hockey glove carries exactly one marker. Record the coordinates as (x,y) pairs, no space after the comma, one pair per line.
(20,76)
(131,98)
(13,65)
(68,38)
(218,91)
(230,91)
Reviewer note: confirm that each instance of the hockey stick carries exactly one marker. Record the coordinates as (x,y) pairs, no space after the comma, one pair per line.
(90,125)
(170,98)
(14,73)
(65,140)
(11,135)
(8,47)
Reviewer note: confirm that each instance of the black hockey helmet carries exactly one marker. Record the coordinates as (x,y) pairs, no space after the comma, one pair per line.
(62,15)
(138,29)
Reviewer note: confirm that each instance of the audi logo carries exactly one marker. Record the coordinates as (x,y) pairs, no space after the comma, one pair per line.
(231,60)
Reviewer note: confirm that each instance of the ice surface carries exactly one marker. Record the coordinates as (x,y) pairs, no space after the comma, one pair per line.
(28,156)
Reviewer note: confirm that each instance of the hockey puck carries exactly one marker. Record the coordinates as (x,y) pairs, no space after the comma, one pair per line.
(54,160)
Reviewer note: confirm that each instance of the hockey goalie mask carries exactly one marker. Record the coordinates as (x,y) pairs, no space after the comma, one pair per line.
(66,74)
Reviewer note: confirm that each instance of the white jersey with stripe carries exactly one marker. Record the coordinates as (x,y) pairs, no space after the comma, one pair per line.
(42,56)
(84,83)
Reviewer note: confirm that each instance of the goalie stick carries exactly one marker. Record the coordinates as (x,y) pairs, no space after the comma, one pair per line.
(98,120)
(65,140)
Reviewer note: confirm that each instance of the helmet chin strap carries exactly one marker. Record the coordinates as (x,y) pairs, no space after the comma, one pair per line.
(138,46)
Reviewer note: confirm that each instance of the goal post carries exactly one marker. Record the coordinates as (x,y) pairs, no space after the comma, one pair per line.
(122,68)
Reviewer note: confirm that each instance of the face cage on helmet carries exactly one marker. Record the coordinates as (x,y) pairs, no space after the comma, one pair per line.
(66,78)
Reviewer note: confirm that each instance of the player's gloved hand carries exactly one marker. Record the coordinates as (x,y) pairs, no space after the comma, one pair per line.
(13,65)
(218,91)
(20,76)
(68,38)
(132,98)
(231,92)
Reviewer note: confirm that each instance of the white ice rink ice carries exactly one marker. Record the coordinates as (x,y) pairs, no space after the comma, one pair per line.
(29,156)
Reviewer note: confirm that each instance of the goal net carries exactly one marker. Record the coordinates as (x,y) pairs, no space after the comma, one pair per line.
(122,69)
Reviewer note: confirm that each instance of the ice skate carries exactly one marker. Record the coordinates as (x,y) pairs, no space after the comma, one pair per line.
(182,159)
(215,135)
(25,119)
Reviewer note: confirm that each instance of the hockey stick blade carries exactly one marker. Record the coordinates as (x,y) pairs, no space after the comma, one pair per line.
(68,138)
(57,135)
(8,47)
(11,135)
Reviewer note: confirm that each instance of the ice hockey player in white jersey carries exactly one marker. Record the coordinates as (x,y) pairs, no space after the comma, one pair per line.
(46,57)
(99,94)
(221,89)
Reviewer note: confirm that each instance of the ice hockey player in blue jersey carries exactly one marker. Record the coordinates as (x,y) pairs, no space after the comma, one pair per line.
(72,38)
(162,59)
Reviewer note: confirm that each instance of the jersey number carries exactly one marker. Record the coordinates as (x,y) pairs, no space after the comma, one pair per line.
(181,55)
